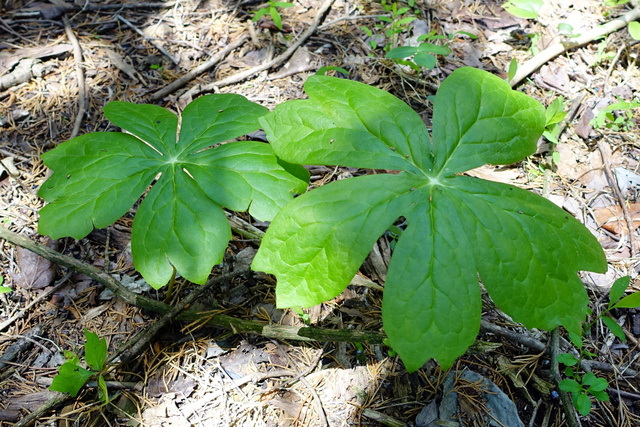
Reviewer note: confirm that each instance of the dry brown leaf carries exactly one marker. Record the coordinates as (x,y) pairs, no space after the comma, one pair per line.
(35,272)
(120,63)
(612,219)
(301,61)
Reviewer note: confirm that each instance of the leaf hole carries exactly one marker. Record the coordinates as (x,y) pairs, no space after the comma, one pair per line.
(188,173)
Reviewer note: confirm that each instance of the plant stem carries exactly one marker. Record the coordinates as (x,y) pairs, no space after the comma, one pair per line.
(210,318)
(565,398)
(170,286)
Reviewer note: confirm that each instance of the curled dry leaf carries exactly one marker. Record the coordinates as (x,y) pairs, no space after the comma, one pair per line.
(35,272)
(612,218)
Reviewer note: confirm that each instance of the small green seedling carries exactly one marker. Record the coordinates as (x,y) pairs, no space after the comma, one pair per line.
(622,121)
(4,289)
(396,23)
(72,376)
(613,3)
(360,356)
(460,229)
(373,43)
(423,55)
(527,9)
(634,30)
(391,26)
(513,69)
(602,53)
(554,115)
(583,386)
(180,224)
(271,10)
(391,352)
(303,316)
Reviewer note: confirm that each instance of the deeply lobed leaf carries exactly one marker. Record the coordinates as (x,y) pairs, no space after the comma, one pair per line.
(525,250)
(180,224)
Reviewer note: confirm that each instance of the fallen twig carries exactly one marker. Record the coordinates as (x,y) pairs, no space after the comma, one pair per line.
(282,332)
(296,333)
(25,341)
(82,88)
(58,398)
(156,45)
(56,287)
(243,228)
(531,343)
(621,200)
(160,5)
(559,48)
(134,346)
(177,84)
(196,90)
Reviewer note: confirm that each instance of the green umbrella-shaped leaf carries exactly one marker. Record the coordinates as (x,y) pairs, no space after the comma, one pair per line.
(525,250)
(193,174)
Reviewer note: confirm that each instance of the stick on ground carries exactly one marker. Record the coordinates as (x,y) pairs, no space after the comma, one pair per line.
(238,77)
(559,48)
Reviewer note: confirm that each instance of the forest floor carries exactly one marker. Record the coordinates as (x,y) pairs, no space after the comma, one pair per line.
(62,62)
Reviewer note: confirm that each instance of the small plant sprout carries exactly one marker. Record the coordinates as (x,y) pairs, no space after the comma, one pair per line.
(271,10)
(423,55)
(566,30)
(614,3)
(398,21)
(584,386)
(603,54)
(634,30)
(322,71)
(527,9)
(72,376)
(554,115)
(4,289)
(616,117)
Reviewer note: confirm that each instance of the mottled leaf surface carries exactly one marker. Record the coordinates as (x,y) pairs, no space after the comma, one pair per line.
(525,250)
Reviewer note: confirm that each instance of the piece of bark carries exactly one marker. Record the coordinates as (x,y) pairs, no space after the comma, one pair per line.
(24,71)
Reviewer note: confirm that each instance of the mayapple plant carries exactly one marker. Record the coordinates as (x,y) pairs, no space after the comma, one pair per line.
(72,376)
(461,230)
(180,223)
